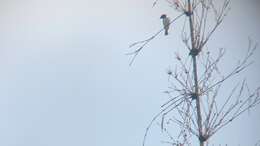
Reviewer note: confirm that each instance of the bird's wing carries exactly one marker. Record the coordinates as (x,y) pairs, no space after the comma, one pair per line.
(166,22)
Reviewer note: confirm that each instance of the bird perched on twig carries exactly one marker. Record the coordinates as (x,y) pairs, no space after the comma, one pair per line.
(166,23)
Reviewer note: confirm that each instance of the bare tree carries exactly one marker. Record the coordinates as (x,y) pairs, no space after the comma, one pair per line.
(193,94)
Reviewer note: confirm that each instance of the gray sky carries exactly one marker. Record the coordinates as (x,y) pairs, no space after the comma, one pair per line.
(66,81)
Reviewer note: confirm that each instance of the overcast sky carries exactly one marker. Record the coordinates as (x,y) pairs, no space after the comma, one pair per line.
(65,78)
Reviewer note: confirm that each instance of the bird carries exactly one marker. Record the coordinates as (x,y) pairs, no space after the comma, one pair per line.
(166,23)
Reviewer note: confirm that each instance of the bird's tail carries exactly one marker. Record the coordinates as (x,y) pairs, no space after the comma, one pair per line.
(166,32)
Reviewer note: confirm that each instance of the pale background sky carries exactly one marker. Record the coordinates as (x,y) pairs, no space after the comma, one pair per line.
(65,80)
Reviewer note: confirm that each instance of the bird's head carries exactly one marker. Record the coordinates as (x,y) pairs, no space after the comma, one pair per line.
(163,16)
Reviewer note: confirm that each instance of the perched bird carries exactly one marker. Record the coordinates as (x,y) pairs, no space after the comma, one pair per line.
(166,23)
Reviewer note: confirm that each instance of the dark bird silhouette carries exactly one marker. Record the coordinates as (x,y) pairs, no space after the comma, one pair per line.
(166,23)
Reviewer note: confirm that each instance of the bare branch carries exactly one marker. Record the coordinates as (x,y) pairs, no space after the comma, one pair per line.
(143,43)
